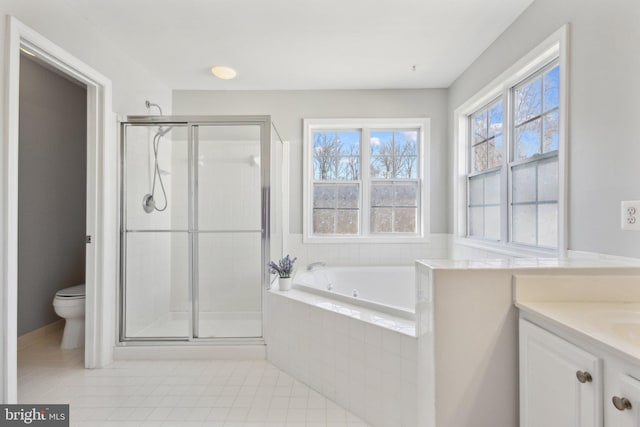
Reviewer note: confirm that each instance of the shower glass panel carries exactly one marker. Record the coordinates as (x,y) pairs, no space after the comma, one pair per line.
(195,227)
(155,308)
(155,243)
(229,237)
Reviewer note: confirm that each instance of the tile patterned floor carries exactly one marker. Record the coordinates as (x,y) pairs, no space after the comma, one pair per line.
(173,393)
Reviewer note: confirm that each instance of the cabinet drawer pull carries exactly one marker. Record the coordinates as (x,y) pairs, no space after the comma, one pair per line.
(621,403)
(584,377)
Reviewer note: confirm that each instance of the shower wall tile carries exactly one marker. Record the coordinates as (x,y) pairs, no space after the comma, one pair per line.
(367,253)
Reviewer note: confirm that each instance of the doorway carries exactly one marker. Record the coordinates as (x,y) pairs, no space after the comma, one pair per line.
(101,202)
(52,189)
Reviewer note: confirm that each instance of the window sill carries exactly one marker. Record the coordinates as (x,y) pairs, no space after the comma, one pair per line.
(503,249)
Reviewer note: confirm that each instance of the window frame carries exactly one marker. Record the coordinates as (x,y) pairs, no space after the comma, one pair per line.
(366,181)
(554,48)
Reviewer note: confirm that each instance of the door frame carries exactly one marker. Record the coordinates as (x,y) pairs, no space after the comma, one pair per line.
(102,202)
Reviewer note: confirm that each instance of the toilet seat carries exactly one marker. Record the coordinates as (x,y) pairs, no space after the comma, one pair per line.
(72,292)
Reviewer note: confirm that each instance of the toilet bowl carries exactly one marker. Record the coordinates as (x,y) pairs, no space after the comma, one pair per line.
(69,304)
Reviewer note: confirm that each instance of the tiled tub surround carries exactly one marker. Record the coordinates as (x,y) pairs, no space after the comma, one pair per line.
(364,360)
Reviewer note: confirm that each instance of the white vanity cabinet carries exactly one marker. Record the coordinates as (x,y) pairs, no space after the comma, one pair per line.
(622,401)
(567,381)
(560,383)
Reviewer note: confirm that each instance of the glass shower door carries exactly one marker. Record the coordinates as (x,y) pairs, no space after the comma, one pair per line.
(228,231)
(155,262)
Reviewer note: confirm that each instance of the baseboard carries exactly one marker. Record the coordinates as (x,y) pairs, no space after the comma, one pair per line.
(34,336)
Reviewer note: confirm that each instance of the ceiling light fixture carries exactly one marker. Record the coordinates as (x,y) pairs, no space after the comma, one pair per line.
(223,72)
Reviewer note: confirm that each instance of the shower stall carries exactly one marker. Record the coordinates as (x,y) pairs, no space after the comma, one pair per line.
(194,228)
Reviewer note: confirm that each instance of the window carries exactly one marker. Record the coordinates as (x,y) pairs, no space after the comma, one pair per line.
(511,142)
(534,166)
(364,179)
(487,154)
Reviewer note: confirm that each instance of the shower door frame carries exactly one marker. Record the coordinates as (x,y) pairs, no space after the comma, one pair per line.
(191,124)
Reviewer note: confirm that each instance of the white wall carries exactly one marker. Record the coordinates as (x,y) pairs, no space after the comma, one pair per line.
(132,83)
(604,146)
(131,86)
(289,108)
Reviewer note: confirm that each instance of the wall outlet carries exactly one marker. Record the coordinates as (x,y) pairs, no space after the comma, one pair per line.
(630,215)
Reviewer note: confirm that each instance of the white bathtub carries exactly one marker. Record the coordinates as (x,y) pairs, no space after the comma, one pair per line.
(385,289)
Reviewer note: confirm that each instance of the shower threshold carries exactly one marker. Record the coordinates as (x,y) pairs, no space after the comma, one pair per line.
(211,325)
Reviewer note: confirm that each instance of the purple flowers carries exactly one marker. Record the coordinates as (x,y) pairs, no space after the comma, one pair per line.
(284,268)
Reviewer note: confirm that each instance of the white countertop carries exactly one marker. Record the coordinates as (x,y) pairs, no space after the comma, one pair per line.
(527,263)
(601,308)
(615,325)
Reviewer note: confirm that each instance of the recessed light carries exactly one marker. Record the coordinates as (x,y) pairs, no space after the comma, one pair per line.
(223,72)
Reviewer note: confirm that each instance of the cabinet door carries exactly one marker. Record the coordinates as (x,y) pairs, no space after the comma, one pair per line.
(551,394)
(623,401)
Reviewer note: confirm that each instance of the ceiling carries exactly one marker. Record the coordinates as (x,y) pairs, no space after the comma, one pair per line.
(303,44)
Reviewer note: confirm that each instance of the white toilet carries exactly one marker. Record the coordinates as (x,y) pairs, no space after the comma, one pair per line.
(69,304)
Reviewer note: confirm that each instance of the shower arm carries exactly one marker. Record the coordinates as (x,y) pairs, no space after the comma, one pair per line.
(149,104)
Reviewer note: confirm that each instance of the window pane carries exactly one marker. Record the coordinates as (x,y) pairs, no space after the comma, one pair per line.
(324,196)
(476,222)
(348,143)
(479,126)
(527,140)
(480,157)
(394,154)
(476,190)
(548,225)
(524,183)
(551,88)
(380,142)
(348,168)
(323,221)
(406,167)
(405,143)
(382,195)
(492,222)
(496,147)
(492,188)
(348,196)
(406,195)
(404,220)
(528,101)
(336,155)
(381,167)
(381,220)
(548,181)
(524,224)
(347,221)
(495,119)
(550,131)
(325,168)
